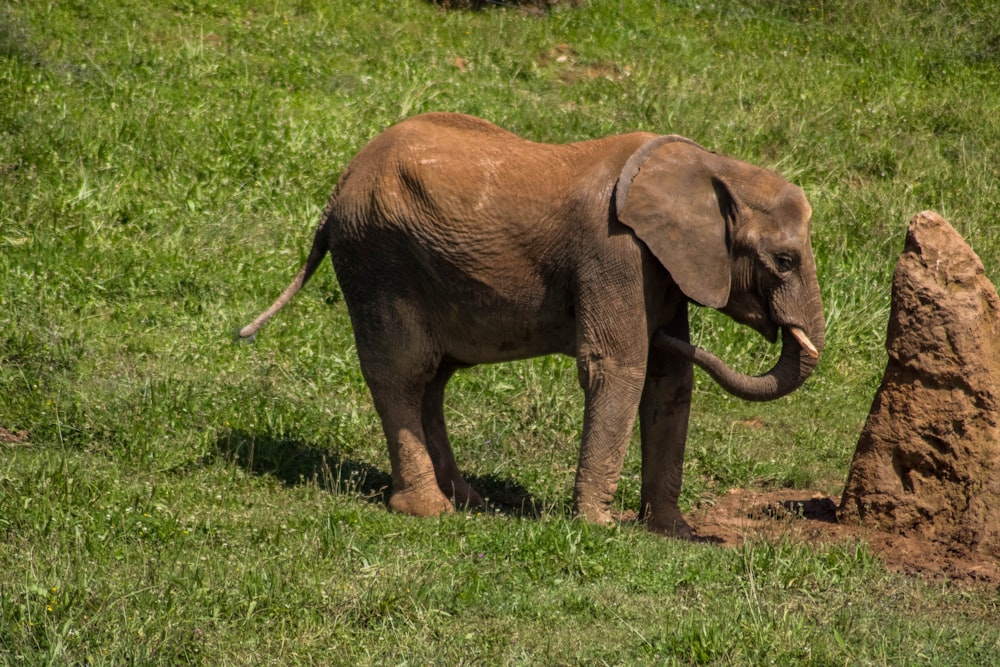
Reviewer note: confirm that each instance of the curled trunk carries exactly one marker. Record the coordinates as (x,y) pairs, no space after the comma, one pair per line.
(793,367)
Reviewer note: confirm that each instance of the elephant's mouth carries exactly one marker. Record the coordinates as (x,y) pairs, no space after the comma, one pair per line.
(769,330)
(750,313)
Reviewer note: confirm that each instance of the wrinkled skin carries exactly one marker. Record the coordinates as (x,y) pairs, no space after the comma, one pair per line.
(457,243)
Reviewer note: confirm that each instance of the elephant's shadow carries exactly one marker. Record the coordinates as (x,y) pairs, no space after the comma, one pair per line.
(293,462)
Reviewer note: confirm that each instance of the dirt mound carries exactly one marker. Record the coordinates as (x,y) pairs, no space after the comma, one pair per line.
(927,464)
(809,517)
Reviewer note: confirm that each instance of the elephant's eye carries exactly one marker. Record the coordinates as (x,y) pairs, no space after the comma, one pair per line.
(784,263)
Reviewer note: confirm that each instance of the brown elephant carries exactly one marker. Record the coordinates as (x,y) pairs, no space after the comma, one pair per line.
(458,243)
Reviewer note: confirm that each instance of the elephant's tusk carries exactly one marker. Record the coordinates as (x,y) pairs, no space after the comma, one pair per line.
(804,341)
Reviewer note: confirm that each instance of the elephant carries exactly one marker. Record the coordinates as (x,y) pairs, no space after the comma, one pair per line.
(457,243)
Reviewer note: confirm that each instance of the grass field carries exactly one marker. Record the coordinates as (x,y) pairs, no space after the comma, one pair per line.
(175,498)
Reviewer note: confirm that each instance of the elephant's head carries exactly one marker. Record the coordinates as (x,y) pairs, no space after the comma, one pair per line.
(734,237)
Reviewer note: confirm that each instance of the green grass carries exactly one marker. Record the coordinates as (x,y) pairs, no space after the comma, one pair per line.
(184,499)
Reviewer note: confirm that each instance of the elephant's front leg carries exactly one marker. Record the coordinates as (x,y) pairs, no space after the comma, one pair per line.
(663,423)
(612,392)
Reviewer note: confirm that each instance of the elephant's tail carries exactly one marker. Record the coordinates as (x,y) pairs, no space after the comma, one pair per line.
(316,255)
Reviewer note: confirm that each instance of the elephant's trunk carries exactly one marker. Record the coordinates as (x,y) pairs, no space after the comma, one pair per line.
(794,366)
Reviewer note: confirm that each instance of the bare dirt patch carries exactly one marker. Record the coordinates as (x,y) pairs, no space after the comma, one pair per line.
(13,437)
(806,517)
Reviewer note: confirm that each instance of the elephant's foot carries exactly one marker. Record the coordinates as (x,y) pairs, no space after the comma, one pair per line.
(671,524)
(594,512)
(420,501)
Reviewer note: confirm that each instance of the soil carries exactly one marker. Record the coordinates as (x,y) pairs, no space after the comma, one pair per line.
(12,437)
(810,517)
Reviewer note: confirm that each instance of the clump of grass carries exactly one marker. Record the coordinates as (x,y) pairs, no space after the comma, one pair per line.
(15,42)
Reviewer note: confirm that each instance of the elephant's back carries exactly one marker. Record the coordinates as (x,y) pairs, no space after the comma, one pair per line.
(431,138)
(441,123)
(439,177)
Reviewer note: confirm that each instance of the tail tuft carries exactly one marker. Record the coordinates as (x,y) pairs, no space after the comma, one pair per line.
(244,335)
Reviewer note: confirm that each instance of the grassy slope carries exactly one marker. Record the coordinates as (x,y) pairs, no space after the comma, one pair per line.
(184,499)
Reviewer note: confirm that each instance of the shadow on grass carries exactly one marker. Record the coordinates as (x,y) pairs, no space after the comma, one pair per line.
(296,462)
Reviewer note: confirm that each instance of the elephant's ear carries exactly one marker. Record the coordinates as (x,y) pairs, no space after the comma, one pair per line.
(675,205)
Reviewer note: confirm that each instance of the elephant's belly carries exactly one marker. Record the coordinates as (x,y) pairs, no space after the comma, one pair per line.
(484,312)
(479,335)
(479,345)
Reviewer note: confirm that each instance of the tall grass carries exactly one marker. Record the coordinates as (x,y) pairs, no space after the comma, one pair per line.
(177,498)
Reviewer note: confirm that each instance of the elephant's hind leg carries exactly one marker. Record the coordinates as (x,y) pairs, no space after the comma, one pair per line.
(398,370)
(414,483)
(449,479)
